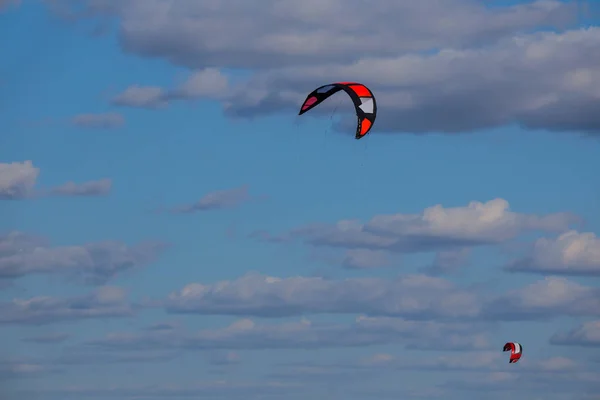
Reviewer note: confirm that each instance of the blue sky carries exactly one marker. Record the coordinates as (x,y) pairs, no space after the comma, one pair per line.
(117,117)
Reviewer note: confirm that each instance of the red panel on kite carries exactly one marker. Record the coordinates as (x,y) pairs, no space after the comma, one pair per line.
(362,97)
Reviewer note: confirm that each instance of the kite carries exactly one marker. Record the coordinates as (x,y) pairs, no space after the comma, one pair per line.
(362,97)
(515,351)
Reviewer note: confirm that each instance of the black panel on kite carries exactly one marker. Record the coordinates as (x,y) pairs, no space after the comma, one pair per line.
(362,97)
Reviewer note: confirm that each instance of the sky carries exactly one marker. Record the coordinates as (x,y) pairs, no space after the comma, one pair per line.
(170,228)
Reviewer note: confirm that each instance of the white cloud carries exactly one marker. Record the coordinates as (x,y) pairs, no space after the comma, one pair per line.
(97,262)
(209,82)
(100,187)
(431,64)
(586,334)
(448,90)
(435,228)
(490,222)
(572,253)
(204,83)
(17,179)
(274,33)
(546,298)
(417,296)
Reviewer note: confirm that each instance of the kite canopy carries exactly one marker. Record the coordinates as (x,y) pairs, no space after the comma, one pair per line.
(362,97)
(515,351)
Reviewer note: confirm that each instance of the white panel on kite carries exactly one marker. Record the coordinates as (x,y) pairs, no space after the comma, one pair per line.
(366,104)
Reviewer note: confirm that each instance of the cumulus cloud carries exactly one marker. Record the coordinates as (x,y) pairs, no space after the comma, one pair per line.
(205,34)
(546,298)
(449,91)
(209,82)
(586,335)
(206,83)
(100,187)
(572,253)
(18,181)
(416,296)
(217,200)
(431,63)
(436,228)
(98,121)
(104,302)
(97,262)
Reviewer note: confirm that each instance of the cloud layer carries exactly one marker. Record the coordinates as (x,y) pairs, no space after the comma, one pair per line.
(96,263)
(245,334)
(417,297)
(105,302)
(433,65)
(572,253)
(434,229)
